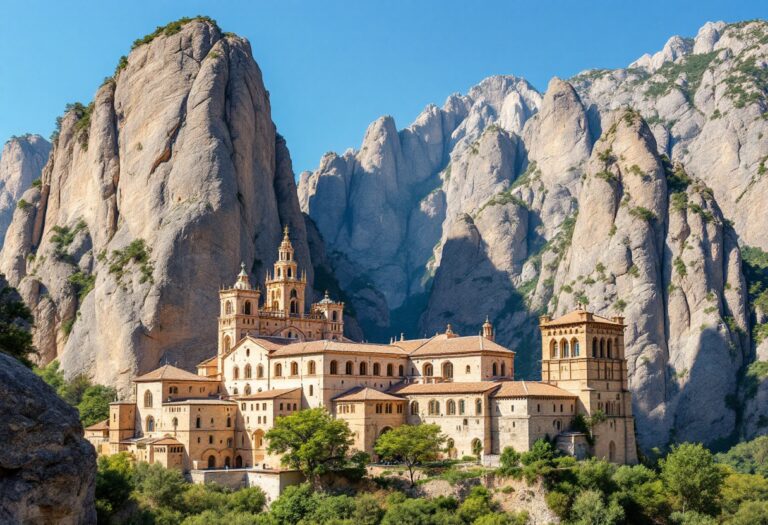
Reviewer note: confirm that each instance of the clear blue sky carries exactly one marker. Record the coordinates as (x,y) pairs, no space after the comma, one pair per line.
(333,67)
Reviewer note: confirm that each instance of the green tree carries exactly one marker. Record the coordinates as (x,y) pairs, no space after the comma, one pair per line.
(15,325)
(641,494)
(750,457)
(692,478)
(114,484)
(367,510)
(311,441)
(750,513)
(590,508)
(502,518)
(691,518)
(411,444)
(509,462)
(419,512)
(250,499)
(94,405)
(477,503)
(52,375)
(293,505)
(738,488)
(160,487)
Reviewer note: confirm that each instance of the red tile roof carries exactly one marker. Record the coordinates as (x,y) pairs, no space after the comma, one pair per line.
(316,347)
(366,394)
(476,387)
(530,389)
(268,394)
(101,425)
(171,373)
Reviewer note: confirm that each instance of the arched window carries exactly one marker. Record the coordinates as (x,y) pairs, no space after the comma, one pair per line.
(428,370)
(239,461)
(478,406)
(278,370)
(228,307)
(290,273)
(236,372)
(348,368)
(616,348)
(247,371)
(448,369)
(611,451)
(450,407)
(553,349)
(376,369)
(173,390)
(294,306)
(609,352)
(294,368)
(235,391)
(433,408)
(363,369)
(311,368)
(247,308)
(197,422)
(147,399)
(229,421)
(415,408)
(390,370)
(211,461)
(175,422)
(594,347)
(503,369)
(575,350)
(334,368)
(150,424)
(602,347)
(400,371)
(462,406)
(259,371)
(294,295)
(564,349)
(334,316)
(494,369)
(247,389)
(557,425)
(227,343)
(468,369)
(258,439)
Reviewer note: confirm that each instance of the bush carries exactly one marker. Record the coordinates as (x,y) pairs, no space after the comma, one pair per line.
(170,29)
(137,252)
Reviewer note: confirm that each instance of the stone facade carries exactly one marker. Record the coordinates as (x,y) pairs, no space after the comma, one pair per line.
(275,360)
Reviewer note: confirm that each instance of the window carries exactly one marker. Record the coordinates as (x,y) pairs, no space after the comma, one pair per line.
(390,370)
(259,371)
(197,422)
(147,399)
(448,369)
(564,349)
(574,348)
(503,369)
(234,391)
(294,368)
(609,353)
(594,347)
(553,350)
(247,371)
(210,440)
(450,407)
(278,370)
(462,406)
(229,422)
(311,390)
(334,367)
(363,369)
(228,307)
(494,370)
(150,424)
(478,406)
(247,308)
(602,347)
(236,373)
(400,371)
(311,368)
(376,369)
(247,389)
(428,370)
(415,408)
(468,369)
(434,408)
(378,408)
(334,316)
(348,368)
(173,390)
(388,408)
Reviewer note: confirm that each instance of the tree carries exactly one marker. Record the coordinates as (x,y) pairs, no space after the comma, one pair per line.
(589,508)
(160,487)
(114,484)
(477,504)
(509,462)
(411,444)
(311,441)
(692,478)
(94,406)
(15,325)
(750,513)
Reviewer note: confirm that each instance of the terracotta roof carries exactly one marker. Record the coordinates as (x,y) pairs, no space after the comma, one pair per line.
(101,425)
(444,345)
(268,394)
(409,345)
(360,393)
(476,387)
(167,441)
(530,389)
(207,362)
(171,373)
(199,401)
(315,347)
(579,316)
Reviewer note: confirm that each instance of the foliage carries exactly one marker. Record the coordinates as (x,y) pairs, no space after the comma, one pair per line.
(692,66)
(590,508)
(509,462)
(750,457)
(15,326)
(411,444)
(311,441)
(692,478)
(754,264)
(680,267)
(642,213)
(92,401)
(22,204)
(83,282)
(94,405)
(137,252)
(37,183)
(170,29)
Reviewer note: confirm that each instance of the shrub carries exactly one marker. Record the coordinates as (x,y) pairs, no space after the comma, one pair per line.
(83,282)
(642,213)
(137,252)
(680,267)
(22,204)
(37,183)
(170,29)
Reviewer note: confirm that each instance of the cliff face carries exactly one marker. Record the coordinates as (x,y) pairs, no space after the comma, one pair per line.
(152,197)
(21,162)
(48,468)
(630,190)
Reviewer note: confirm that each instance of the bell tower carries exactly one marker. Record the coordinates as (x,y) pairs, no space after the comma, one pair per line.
(333,315)
(239,312)
(285,289)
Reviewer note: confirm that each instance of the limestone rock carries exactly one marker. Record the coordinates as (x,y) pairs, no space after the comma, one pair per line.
(152,197)
(49,469)
(21,162)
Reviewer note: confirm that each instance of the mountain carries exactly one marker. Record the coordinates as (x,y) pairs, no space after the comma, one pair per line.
(21,163)
(637,191)
(152,196)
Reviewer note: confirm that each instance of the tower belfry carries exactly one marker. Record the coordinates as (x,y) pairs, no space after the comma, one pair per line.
(285,288)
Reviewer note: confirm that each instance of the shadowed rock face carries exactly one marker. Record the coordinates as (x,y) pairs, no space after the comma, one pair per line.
(21,162)
(47,468)
(541,202)
(152,197)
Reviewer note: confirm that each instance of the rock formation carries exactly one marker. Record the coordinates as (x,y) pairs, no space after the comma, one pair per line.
(153,195)
(48,468)
(21,163)
(632,190)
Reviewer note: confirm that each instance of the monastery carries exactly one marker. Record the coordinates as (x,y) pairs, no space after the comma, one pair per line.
(274,358)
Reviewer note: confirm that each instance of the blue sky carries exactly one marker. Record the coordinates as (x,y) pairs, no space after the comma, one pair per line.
(333,67)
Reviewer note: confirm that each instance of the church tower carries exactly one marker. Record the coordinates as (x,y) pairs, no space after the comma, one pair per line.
(239,313)
(285,290)
(583,353)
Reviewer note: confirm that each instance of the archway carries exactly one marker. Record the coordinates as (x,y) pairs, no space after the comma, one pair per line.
(428,371)
(239,461)
(227,462)
(211,461)
(448,370)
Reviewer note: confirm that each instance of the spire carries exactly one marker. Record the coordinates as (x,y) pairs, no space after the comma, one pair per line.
(242,283)
(488,329)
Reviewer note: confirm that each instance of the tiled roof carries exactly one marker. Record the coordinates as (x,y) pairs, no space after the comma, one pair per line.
(171,373)
(207,362)
(167,441)
(579,316)
(530,389)
(366,394)
(199,401)
(101,425)
(442,344)
(315,347)
(476,387)
(268,394)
